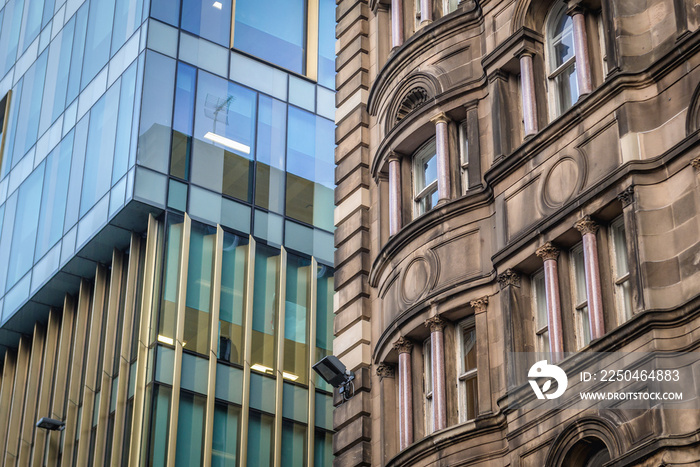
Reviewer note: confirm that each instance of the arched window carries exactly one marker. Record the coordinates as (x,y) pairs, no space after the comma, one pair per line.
(425,187)
(561,61)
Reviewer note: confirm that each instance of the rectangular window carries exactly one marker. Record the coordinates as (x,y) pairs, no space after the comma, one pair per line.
(428,385)
(233,293)
(296,318)
(4,117)
(467,374)
(464,155)
(227,428)
(539,308)
(580,299)
(425,189)
(620,270)
(265,310)
(190,430)
(448,6)
(199,277)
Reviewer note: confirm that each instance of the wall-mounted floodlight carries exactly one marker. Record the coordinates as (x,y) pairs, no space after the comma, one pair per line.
(50,424)
(334,373)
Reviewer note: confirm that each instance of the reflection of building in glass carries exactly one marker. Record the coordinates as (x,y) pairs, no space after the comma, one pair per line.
(517,180)
(166,231)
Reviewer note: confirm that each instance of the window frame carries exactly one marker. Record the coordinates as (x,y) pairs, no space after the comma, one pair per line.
(556,106)
(5,114)
(579,298)
(428,386)
(623,313)
(541,330)
(464,376)
(427,151)
(464,155)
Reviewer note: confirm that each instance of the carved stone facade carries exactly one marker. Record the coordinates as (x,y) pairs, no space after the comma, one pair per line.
(549,219)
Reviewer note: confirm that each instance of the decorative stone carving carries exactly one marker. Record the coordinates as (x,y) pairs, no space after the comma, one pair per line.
(385,370)
(412,100)
(435,324)
(627,196)
(509,277)
(403,345)
(547,252)
(695,163)
(480,304)
(586,225)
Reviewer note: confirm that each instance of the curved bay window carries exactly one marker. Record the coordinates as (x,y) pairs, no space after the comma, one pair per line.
(561,58)
(425,186)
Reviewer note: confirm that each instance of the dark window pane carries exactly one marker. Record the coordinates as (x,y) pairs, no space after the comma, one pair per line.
(225,439)
(323,449)
(293,444)
(277,36)
(190,430)
(324,318)
(261,442)
(159,426)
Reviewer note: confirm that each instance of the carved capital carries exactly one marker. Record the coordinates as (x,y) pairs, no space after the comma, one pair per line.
(586,225)
(509,277)
(547,252)
(403,345)
(480,304)
(627,196)
(695,163)
(393,157)
(385,370)
(435,324)
(440,118)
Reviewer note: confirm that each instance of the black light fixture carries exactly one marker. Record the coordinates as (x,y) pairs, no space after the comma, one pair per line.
(51,424)
(334,373)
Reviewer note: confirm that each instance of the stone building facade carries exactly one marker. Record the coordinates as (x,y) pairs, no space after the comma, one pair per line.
(513,177)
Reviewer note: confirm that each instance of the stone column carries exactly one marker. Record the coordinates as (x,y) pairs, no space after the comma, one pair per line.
(387,404)
(394,194)
(483,365)
(437,356)
(527,77)
(396,23)
(549,254)
(442,149)
(513,339)
(583,63)
(404,347)
(426,12)
(588,228)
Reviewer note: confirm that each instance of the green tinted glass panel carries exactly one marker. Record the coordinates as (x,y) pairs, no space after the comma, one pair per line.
(265,309)
(233,290)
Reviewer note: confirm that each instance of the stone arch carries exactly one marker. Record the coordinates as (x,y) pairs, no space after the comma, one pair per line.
(415,91)
(692,123)
(530,15)
(587,439)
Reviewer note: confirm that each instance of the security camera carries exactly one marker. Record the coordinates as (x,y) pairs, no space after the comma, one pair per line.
(50,424)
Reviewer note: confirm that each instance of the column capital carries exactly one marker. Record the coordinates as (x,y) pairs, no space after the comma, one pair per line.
(695,163)
(508,277)
(524,51)
(586,225)
(547,251)
(575,7)
(393,156)
(435,324)
(480,304)
(440,118)
(385,370)
(627,196)
(403,345)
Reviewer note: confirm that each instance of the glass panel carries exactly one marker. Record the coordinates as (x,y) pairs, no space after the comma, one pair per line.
(269,172)
(426,167)
(472,398)
(156,112)
(167,11)
(469,342)
(190,430)
(579,274)
(296,312)
(76,174)
(24,236)
(127,17)
(293,444)
(278,36)
(210,20)
(30,108)
(77,54)
(199,275)
(323,449)
(227,427)
(183,121)
(224,131)
(229,383)
(168,307)
(9,34)
(57,68)
(124,123)
(324,410)
(265,309)
(31,22)
(99,35)
(585,326)
(233,293)
(324,319)
(310,166)
(540,300)
(567,87)
(295,402)
(620,246)
(195,372)
(159,426)
(562,40)
(53,198)
(326,43)
(262,393)
(261,443)
(100,149)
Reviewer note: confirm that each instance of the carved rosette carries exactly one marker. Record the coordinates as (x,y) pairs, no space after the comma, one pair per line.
(480,304)
(509,277)
(403,345)
(385,370)
(547,252)
(586,225)
(627,196)
(695,163)
(435,324)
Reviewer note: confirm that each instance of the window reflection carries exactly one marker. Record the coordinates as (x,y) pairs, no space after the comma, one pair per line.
(296,314)
(324,319)
(234,261)
(199,276)
(293,444)
(261,442)
(168,308)
(227,426)
(190,430)
(269,171)
(265,309)
(183,121)
(208,19)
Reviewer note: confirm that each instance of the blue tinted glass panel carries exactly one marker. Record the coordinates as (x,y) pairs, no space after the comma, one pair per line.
(53,198)
(265,308)
(126,111)
(11,127)
(227,427)
(323,448)
(296,315)
(76,174)
(183,121)
(261,442)
(127,17)
(6,237)
(277,36)
(100,149)
(167,11)
(29,109)
(31,22)
(9,36)
(269,172)
(190,430)
(326,43)
(77,55)
(158,444)
(235,250)
(99,34)
(48,12)
(199,276)
(57,69)
(208,19)
(24,236)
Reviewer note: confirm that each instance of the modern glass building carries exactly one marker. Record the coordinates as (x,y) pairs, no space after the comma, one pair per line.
(166,231)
